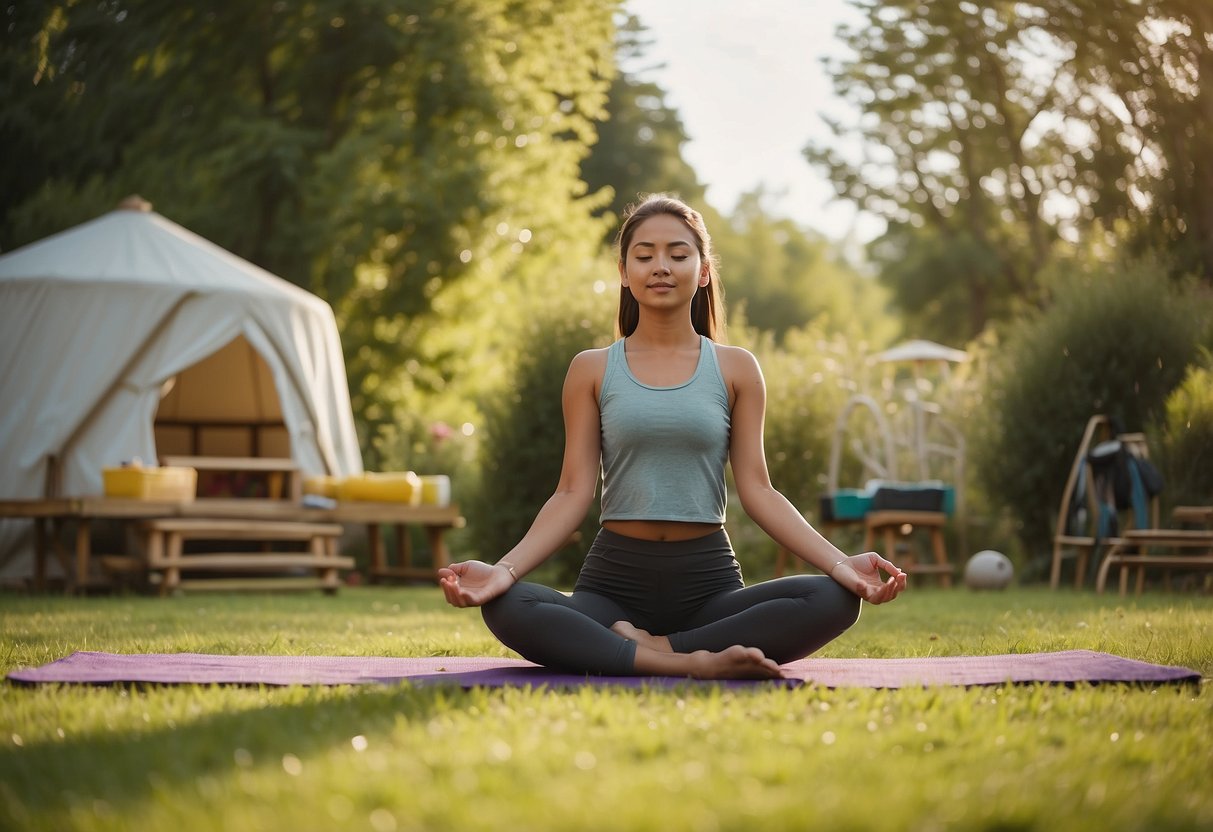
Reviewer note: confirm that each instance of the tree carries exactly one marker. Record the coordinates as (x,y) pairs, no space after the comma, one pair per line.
(640,139)
(376,152)
(1141,74)
(991,131)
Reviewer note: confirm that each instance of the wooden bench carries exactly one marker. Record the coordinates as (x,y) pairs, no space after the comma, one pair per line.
(166,557)
(1131,550)
(894,525)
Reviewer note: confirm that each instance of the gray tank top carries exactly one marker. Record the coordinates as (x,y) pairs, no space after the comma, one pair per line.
(664,448)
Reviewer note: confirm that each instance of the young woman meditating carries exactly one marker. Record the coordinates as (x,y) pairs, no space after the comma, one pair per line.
(658,414)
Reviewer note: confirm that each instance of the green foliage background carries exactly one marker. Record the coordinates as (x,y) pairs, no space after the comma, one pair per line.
(523,443)
(446,173)
(1186,431)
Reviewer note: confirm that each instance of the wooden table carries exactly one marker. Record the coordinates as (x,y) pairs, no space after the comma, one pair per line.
(1132,549)
(1193,515)
(284,479)
(50,516)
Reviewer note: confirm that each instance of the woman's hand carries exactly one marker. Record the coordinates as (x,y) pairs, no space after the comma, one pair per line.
(861,575)
(473,583)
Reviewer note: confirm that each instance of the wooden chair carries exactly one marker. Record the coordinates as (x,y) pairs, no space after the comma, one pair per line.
(1083,544)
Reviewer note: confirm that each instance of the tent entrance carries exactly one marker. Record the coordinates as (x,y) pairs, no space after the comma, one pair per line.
(225,405)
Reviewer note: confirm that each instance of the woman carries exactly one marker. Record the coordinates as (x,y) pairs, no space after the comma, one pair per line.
(659,413)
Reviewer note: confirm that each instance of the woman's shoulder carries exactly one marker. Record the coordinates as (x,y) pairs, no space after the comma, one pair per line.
(589,364)
(592,358)
(735,359)
(586,372)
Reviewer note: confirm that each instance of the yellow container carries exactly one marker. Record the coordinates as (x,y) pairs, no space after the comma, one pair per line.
(393,487)
(169,484)
(323,486)
(436,490)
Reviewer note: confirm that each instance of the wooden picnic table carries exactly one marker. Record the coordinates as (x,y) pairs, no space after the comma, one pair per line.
(51,515)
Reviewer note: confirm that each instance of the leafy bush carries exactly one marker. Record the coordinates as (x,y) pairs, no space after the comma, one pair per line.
(1114,342)
(805,392)
(522,444)
(1187,438)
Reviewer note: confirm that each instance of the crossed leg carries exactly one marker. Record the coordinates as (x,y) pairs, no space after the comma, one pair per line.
(786,619)
(574,632)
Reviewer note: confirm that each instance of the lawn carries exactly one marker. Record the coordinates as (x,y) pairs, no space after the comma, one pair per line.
(692,758)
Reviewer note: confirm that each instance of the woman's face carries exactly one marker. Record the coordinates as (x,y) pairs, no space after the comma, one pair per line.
(662,266)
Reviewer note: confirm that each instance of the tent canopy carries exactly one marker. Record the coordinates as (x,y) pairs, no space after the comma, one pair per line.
(98,322)
(922,350)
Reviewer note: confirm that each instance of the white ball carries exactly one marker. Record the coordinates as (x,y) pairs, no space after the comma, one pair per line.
(988,570)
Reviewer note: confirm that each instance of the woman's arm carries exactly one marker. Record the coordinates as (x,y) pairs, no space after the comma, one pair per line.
(769,508)
(472,583)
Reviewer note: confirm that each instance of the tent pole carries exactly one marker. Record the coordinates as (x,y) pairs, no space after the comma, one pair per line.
(57,458)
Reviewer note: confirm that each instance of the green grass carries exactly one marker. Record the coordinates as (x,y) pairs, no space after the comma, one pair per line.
(693,758)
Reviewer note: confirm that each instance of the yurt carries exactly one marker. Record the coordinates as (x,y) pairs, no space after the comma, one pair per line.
(129,337)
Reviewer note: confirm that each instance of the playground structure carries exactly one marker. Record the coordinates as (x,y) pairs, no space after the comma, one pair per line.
(906,435)
(906,458)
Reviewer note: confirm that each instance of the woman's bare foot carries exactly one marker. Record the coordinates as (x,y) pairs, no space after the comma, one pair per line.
(734,662)
(642,637)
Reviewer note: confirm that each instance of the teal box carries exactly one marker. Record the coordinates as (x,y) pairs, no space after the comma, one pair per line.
(845,504)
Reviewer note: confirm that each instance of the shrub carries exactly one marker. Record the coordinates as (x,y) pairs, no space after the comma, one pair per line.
(1187,438)
(1113,342)
(805,392)
(522,445)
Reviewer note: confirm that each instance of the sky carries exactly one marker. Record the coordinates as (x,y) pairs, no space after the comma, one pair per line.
(747,80)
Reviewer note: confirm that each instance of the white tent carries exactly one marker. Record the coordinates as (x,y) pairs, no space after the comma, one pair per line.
(98,322)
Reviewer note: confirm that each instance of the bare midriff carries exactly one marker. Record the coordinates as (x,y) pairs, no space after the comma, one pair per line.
(661,529)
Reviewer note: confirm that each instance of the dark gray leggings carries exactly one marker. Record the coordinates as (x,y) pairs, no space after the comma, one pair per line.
(690,591)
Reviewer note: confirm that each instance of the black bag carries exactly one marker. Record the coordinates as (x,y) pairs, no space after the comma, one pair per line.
(1151,477)
(1110,471)
(1122,480)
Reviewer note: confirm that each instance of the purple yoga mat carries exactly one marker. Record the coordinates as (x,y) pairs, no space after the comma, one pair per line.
(1068,667)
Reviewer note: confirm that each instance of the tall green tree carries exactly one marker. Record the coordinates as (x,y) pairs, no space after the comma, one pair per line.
(640,138)
(948,155)
(1143,74)
(377,152)
(991,130)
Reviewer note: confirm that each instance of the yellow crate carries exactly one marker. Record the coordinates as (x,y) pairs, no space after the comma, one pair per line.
(394,487)
(322,486)
(168,483)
